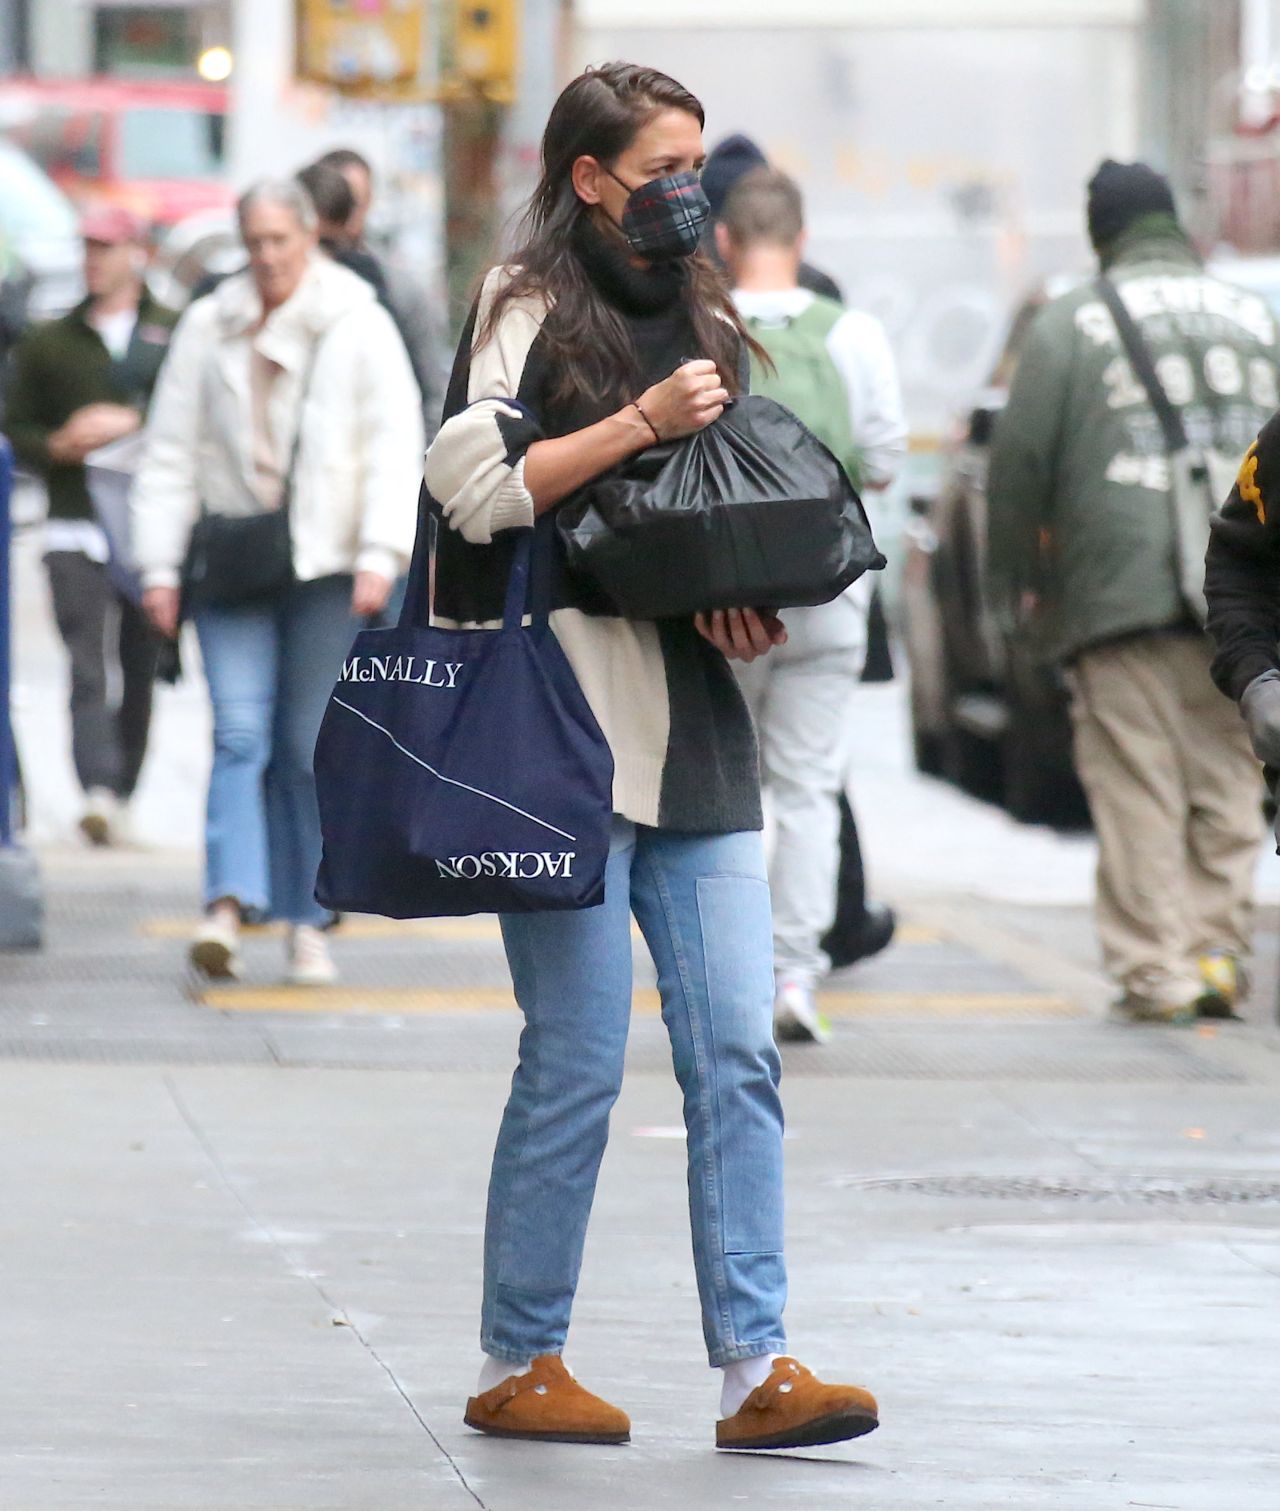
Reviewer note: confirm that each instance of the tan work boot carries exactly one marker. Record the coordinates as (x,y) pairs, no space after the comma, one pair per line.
(1226,984)
(547,1403)
(794,1409)
(1134,1008)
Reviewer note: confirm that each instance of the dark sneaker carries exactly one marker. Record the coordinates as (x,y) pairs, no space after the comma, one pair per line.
(872,933)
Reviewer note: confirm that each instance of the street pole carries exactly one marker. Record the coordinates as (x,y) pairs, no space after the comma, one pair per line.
(20,906)
(491,150)
(472,135)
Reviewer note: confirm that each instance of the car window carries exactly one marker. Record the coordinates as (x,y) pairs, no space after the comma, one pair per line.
(162,143)
(31,206)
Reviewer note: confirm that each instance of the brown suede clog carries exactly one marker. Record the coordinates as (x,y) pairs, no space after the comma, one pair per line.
(547,1403)
(794,1409)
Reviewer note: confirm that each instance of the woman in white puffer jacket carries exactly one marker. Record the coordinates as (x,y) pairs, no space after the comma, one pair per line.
(293,348)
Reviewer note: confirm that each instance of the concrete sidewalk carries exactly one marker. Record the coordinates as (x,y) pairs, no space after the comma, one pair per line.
(240,1239)
(240,1245)
(254,1288)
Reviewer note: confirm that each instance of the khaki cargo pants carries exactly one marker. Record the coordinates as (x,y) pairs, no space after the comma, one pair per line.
(1175,793)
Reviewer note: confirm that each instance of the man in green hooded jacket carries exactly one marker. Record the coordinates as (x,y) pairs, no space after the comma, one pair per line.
(1082,526)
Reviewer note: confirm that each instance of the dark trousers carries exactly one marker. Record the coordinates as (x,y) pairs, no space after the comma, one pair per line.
(103,631)
(851,884)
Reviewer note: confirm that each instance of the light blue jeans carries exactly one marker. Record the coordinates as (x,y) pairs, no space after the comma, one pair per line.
(702,903)
(270,670)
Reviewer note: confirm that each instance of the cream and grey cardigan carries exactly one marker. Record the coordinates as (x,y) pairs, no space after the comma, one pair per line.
(667,701)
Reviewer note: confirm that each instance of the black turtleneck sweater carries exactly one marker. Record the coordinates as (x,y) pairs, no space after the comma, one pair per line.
(667,700)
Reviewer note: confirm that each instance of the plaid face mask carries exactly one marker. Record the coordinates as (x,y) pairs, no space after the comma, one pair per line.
(663,219)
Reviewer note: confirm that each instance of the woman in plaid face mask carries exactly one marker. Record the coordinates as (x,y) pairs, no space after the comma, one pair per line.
(604,334)
(664,218)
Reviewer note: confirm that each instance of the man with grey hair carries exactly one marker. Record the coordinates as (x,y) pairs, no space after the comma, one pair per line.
(288,388)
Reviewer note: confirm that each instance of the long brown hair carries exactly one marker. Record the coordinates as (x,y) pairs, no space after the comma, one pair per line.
(599,115)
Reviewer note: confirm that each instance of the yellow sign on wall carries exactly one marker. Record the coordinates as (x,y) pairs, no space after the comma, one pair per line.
(486,46)
(365,46)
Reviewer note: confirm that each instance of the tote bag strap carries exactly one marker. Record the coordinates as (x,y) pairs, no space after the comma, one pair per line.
(528,583)
(414,609)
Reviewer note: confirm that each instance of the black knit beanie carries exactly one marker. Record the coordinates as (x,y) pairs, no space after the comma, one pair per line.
(727,163)
(1119,194)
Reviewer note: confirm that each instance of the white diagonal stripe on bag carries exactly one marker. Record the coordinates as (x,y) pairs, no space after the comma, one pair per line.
(440,776)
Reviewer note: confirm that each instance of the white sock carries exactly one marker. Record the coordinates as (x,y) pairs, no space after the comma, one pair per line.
(740,1379)
(495,1371)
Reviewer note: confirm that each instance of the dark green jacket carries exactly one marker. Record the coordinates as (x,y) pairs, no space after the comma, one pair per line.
(58,368)
(1079,508)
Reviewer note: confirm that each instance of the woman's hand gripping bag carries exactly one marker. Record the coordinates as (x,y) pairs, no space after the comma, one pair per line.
(751,512)
(462,771)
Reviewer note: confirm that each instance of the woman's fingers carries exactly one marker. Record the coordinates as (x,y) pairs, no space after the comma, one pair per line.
(774,627)
(741,634)
(754,631)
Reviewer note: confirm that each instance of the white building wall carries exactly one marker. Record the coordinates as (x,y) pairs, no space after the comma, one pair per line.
(61,34)
(943,165)
(278,125)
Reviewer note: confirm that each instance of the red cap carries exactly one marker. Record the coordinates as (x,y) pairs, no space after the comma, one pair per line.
(111,225)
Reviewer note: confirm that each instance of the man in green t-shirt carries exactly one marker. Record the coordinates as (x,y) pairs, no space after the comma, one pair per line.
(833,368)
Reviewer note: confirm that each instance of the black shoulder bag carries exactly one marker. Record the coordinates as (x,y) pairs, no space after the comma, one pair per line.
(242,558)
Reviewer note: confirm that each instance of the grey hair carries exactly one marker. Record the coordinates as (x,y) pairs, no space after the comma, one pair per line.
(287,193)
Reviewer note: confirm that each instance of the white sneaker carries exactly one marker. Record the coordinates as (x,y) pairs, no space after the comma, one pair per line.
(796,1018)
(310,963)
(100,821)
(215,949)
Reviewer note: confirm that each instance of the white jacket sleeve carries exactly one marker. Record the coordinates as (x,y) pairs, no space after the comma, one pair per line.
(475,465)
(164,501)
(860,349)
(391,424)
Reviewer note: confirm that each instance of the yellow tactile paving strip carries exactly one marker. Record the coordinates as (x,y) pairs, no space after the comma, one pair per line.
(483,926)
(416,1000)
(361,928)
(467,999)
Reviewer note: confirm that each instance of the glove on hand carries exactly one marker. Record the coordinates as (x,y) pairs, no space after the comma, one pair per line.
(1260,705)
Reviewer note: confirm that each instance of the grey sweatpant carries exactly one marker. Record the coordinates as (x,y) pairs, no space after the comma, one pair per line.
(799,695)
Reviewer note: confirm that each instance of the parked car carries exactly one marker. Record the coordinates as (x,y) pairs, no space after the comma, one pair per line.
(154,147)
(988,711)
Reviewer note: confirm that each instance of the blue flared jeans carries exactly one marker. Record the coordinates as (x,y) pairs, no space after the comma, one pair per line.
(702,904)
(270,668)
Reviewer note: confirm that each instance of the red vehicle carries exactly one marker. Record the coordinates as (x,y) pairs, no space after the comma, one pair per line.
(156,148)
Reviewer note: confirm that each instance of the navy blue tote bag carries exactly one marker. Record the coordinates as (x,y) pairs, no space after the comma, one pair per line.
(461,771)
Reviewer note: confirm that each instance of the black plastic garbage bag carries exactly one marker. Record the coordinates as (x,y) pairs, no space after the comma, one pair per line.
(752,512)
